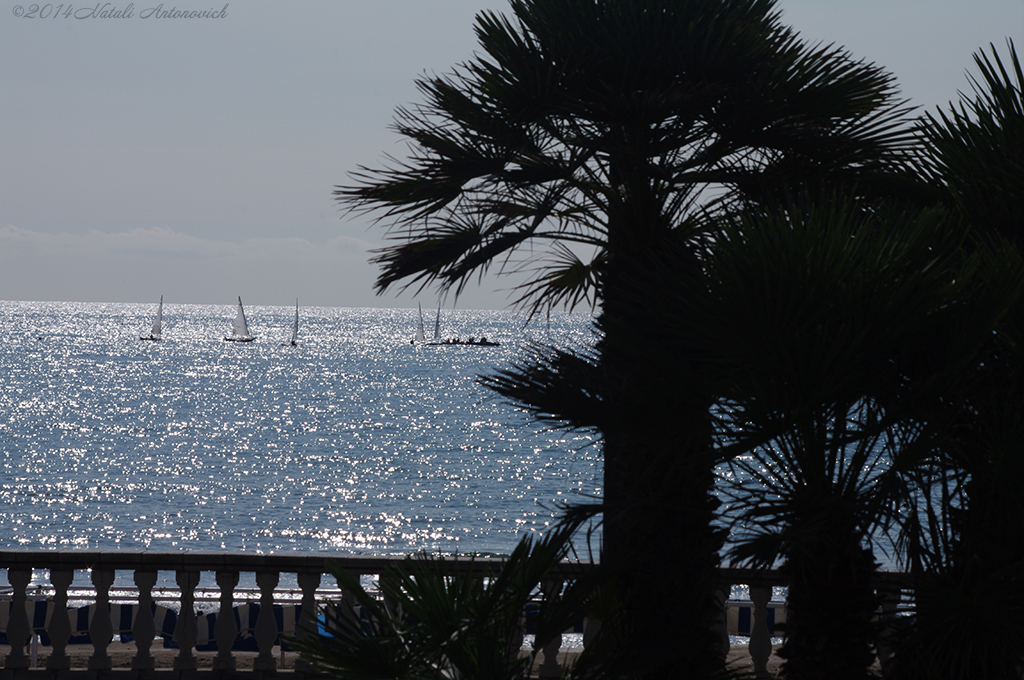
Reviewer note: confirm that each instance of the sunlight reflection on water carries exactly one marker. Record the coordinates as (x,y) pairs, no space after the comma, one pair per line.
(355,441)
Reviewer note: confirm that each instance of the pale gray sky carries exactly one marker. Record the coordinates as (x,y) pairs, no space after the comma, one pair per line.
(195,158)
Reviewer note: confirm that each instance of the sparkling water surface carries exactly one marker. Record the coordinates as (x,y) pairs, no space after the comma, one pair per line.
(356,441)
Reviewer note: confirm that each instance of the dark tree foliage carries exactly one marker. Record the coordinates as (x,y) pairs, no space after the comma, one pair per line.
(436,618)
(974,153)
(964,542)
(577,114)
(585,137)
(819,309)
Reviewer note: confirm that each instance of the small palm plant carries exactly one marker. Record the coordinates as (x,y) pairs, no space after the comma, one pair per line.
(824,487)
(436,618)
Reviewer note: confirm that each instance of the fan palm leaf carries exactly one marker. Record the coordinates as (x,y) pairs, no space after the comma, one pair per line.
(603,130)
(812,314)
(434,618)
(975,151)
(576,100)
(962,536)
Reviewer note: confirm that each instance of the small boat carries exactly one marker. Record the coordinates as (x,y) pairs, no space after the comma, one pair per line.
(157,332)
(471,342)
(295,329)
(241,331)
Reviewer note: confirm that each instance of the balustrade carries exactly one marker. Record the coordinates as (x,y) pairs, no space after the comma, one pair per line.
(753,618)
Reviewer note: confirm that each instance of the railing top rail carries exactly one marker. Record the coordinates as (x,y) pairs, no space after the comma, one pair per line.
(777,577)
(193,560)
(234,561)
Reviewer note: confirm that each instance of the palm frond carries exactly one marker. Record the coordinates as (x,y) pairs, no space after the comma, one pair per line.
(559,385)
(569,103)
(435,618)
(976,148)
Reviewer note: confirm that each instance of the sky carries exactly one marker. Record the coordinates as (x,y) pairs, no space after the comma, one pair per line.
(195,158)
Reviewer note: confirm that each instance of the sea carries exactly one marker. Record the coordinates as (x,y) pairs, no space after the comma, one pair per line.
(355,441)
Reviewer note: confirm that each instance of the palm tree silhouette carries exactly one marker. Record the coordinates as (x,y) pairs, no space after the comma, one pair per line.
(583,139)
(965,541)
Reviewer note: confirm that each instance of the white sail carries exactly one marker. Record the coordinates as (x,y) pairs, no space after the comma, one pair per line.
(158,324)
(420,335)
(437,324)
(155,334)
(295,328)
(241,327)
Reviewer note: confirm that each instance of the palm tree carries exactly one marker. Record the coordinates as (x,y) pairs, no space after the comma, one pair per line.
(817,315)
(579,142)
(830,324)
(963,539)
(965,542)
(823,491)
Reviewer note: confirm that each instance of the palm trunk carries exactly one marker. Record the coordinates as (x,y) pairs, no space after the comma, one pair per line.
(663,551)
(831,603)
(659,541)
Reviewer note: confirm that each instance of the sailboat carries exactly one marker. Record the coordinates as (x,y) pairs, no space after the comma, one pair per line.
(295,328)
(421,337)
(241,331)
(157,332)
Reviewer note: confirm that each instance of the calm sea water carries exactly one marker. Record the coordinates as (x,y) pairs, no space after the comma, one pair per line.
(355,441)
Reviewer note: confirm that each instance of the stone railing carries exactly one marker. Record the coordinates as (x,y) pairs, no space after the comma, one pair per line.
(757,617)
(753,618)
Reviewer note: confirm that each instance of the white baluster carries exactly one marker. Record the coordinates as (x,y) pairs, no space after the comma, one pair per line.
(186,630)
(101,629)
(143,627)
(266,624)
(308,582)
(549,667)
(18,627)
(60,622)
(890,596)
(383,584)
(226,629)
(346,608)
(591,630)
(721,628)
(760,639)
